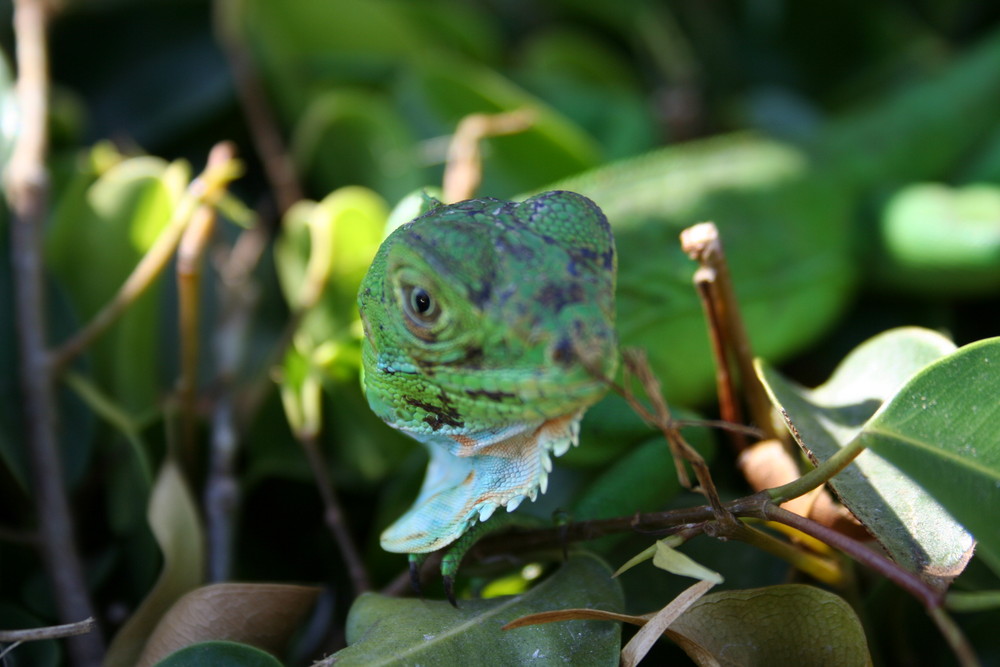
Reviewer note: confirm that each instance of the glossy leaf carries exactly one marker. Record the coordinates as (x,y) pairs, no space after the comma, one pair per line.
(219,654)
(739,182)
(943,430)
(260,615)
(779,625)
(916,530)
(174,519)
(383,630)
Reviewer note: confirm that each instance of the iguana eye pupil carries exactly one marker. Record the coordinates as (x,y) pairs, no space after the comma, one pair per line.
(421,300)
(421,308)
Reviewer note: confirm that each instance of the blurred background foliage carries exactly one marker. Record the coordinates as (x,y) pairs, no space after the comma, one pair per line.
(366,93)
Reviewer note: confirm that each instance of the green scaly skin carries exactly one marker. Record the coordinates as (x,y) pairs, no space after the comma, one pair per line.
(489,327)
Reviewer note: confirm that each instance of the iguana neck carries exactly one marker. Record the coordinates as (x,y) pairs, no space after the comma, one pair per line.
(471,476)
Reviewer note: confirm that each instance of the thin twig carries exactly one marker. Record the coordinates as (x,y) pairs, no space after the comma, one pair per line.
(929,596)
(190,255)
(333,515)
(703,244)
(222,493)
(463,170)
(261,121)
(220,170)
(27,192)
(49,632)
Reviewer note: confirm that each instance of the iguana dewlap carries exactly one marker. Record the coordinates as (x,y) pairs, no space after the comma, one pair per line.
(489,326)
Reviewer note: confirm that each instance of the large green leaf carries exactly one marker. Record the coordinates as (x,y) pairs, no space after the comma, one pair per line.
(913,526)
(943,431)
(778,625)
(383,630)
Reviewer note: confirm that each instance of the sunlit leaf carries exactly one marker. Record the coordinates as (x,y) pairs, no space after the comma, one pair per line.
(943,431)
(261,615)
(382,630)
(174,519)
(100,230)
(943,239)
(673,561)
(913,526)
(322,255)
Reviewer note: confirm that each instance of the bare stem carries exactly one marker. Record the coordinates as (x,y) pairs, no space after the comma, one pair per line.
(910,582)
(334,515)
(49,632)
(702,243)
(267,139)
(190,256)
(464,169)
(27,192)
(222,492)
(207,189)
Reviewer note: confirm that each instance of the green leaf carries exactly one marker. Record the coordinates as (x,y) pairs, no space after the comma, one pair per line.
(100,230)
(445,90)
(173,518)
(912,525)
(758,191)
(669,559)
(943,431)
(383,630)
(321,256)
(943,239)
(779,625)
(357,137)
(219,654)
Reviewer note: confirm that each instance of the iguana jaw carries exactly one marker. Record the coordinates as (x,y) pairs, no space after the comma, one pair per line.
(469,477)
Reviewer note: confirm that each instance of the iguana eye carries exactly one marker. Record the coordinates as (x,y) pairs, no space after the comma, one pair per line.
(420,306)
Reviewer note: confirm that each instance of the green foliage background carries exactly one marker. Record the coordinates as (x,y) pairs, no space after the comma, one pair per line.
(365,93)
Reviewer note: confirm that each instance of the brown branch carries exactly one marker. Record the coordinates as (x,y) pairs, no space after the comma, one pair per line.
(702,243)
(333,515)
(27,192)
(261,121)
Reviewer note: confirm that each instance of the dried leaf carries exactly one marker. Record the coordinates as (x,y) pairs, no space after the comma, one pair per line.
(639,645)
(261,615)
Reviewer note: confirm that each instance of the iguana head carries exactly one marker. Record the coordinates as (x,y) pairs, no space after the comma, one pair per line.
(489,327)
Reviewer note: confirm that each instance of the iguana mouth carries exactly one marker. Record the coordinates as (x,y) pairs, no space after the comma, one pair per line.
(470,476)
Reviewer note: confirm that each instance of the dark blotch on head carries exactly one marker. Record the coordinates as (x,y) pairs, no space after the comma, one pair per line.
(438,415)
(495,396)
(557,296)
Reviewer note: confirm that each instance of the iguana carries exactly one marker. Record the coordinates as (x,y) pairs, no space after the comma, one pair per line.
(489,329)
(486,321)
